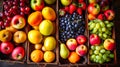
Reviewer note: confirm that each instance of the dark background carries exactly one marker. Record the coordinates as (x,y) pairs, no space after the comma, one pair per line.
(117,34)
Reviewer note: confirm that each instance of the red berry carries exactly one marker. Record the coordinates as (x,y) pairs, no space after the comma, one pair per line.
(79,11)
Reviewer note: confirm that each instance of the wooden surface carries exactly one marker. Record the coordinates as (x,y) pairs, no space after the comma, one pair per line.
(117,33)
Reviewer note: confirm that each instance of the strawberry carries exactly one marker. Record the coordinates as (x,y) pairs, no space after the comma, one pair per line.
(66,9)
(82,5)
(79,1)
(72,8)
(79,11)
(62,12)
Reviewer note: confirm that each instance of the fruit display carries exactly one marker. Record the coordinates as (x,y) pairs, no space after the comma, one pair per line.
(72,32)
(42,40)
(13,35)
(101,32)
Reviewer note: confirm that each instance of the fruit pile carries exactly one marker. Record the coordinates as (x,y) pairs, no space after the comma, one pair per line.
(102,44)
(12,33)
(41,35)
(72,30)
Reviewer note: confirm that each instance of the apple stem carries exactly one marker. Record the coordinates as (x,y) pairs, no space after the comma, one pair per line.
(35,1)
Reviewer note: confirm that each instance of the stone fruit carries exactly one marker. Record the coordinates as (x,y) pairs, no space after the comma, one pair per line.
(49,1)
(66,2)
(18,53)
(73,57)
(38,46)
(49,56)
(81,50)
(71,44)
(94,39)
(6,47)
(109,44)
(91,17)
(34,36)
(37,5)
(46,27)
(18,22)
(5,35)
(35,18)
(49,13)
(36,56)
(81,39)
(64,52)
(49,43)
(19,37)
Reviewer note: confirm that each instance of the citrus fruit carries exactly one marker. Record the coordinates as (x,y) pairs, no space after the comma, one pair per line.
(36,55)
(46,27)
(49,56)
(50,43)
(34,36)
(74,57)
(38,46)
(35,18)
(49,13)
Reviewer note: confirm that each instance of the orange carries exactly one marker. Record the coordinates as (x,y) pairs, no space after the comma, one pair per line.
(49,56)
(34,36)
(36,56)
(49,13)
(74,57)
(35,18)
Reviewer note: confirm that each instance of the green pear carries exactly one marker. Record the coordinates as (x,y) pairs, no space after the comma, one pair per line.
(64,52)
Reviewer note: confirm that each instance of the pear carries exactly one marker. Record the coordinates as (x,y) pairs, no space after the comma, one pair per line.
(64,52)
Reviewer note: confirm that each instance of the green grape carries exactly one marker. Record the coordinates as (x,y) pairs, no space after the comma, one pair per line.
(102,24)
(106,22)
(110,33)
(111,55)
(103,29)
(92,26)
(109,25)
(107,52)
(108,59)
(101,61)
(97,25)
(93,47)
(100,35)
(104,56)
(105,35)
(112,24)
(94,30)
(90,23)
(96,52)
(102,51)
(92,57)
(98,57)
(100,30)
(97,48)
(109,29)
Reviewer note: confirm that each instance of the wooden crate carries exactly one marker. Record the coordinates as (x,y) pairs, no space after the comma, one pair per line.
(31,46)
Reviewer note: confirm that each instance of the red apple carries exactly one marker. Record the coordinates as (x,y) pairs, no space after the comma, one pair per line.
(18,22)
(81,39)
(94,39)
(18,53)
(93,8)
(71,44)
(101,16)
(6,47)
(109,44)
(109,14)
(81,50)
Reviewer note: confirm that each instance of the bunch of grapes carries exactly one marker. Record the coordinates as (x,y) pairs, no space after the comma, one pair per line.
(70,26)
(12,8)
(99,55)
(102,28)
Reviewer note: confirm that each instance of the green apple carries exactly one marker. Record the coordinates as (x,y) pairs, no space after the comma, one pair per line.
(66,2)
(37,4)
(46,27)
(49,1)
